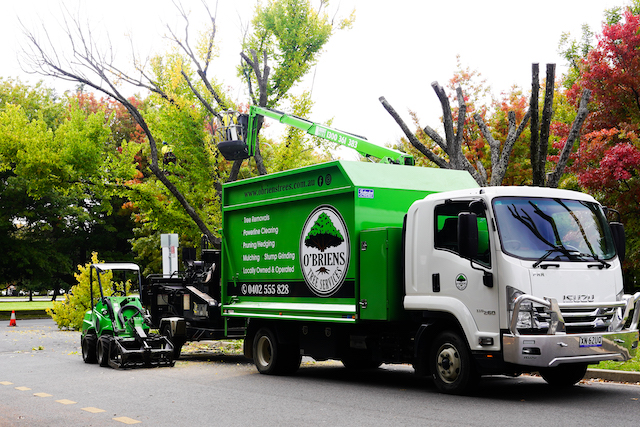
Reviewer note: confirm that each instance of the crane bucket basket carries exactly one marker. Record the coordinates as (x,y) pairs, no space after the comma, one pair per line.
(233,136)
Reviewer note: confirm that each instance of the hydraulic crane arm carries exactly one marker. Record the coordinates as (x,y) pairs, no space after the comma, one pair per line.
(360,144)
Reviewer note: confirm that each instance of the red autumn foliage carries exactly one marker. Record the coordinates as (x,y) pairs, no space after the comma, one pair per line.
(612,71)
(122,124)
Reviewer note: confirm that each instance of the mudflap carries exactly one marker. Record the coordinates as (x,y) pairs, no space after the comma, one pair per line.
(149,352)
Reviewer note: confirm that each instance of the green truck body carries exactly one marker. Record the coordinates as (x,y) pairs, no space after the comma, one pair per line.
(277,266)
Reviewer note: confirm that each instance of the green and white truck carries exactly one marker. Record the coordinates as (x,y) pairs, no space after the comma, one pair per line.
(373,263)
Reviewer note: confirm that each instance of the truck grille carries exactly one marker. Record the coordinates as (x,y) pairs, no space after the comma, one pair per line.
(580,320)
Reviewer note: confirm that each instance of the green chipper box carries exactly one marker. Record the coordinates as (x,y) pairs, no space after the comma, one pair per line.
(323,242)
(319,249)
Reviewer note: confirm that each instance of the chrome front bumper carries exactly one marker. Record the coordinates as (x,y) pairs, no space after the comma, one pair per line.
(557,347)
(553,350)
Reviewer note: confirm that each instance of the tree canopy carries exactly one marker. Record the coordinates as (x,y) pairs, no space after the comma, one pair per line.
(56,199)
(90,170)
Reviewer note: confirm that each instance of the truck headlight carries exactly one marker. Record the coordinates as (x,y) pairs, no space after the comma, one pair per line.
(526,317)
(617,320)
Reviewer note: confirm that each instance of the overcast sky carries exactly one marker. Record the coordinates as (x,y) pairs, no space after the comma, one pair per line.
(395,49)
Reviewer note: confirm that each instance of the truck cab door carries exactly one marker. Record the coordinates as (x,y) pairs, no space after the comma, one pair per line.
(460,278)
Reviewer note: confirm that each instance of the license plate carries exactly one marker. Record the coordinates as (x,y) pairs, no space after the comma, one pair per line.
(592,341)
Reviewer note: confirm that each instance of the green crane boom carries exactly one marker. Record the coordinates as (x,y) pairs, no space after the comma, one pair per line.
(231,149)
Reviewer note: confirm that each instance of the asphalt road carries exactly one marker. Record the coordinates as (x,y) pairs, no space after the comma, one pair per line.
(44,382)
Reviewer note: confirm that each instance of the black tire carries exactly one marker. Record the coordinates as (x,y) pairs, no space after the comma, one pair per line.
(451,364)
(564,375)
(273,358)
(88,344)
(102,350)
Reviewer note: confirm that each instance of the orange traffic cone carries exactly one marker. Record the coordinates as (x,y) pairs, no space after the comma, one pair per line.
(12,322)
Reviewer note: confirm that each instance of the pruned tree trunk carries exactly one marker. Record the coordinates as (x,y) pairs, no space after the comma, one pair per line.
(413,139)
(540,134)
(534,144)
(500,158)
(545,124)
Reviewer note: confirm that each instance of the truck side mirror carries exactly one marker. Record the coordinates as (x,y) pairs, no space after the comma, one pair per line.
(617,230)
(468,235)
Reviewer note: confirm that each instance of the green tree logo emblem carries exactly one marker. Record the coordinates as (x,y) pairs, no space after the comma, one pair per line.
(323,234)
(324,251)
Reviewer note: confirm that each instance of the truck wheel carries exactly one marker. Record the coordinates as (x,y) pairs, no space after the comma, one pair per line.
(88,344)
(564,375)
(273,358)
(451,364)
(102,350)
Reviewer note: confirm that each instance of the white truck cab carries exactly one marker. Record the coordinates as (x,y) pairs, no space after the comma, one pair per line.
(531,275)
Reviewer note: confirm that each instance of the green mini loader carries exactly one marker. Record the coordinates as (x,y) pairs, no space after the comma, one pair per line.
(116,331)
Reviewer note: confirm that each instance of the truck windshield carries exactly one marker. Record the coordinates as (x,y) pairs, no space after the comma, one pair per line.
(553,229)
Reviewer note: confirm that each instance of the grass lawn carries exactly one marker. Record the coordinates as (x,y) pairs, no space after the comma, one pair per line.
(630,365)
(24,305)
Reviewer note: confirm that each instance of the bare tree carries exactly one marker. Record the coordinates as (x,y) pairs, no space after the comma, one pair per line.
(540,136)
(201,66)
(451,144)
(262,77)
(90,65)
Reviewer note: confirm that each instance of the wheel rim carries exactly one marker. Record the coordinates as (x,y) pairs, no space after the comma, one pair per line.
(265,351)
(448,363)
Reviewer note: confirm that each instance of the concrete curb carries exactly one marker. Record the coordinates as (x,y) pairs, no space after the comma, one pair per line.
(611,375)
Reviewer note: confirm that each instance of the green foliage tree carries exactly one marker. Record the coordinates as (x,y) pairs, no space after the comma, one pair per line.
(286,40)
(607,163)
(185,104)
(296,148)
(56,195)
(323,234)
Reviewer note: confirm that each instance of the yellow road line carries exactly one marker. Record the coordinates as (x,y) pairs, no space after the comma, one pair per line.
(127,420)
(93,410)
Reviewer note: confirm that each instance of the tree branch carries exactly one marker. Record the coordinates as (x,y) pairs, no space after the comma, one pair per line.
(412,138)
(85,55)
(537,173)
(574,134)
(545,125)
